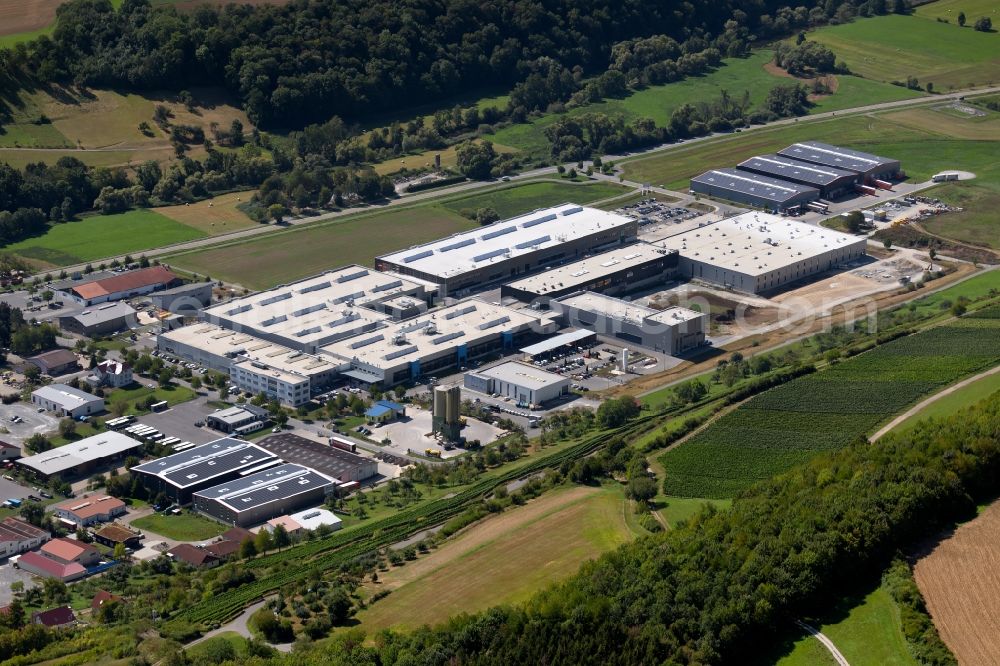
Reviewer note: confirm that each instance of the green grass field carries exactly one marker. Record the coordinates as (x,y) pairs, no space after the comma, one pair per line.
(519,199)
(185,527)
(867,631)
(173,394)
(504,559)
(949,10)
(10,41)
(978,224)
(787,425)
(893,47)
(735,76)
(311,249)
(102,236)
(205,649)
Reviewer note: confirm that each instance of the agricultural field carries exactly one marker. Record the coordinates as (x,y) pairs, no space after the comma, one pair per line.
(504,559)
(185,527)
(100,236)
(960,581)
(735,76)
(310,249)
(218,215)
(518,199)
(866,629)
(788,425)
(923,152)
(949,10)
(893,47)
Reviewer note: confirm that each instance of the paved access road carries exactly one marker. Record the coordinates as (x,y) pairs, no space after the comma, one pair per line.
(535,173)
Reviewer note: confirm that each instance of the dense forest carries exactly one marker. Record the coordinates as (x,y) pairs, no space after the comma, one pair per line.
(309,60)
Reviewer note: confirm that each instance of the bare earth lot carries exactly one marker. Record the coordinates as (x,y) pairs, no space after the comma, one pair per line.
(960,579)
(25,15)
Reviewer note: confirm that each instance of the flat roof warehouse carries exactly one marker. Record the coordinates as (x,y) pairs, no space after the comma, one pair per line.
(507,239)
(206,462)
(635,313)
(818,152)
(754,184)
(786,167)
(267,486)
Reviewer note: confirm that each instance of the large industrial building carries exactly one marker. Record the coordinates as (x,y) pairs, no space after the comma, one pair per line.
(186,300)
(81,457)
(753,189)
(830,181)
(870,167)
(620,270)
(338,464)
(67,401)
(510,248)
(526,384)
(182,474)
(445,338)
(258,497)
(99,320)
(310,313)
(253,364)
(673,330)
(757,252)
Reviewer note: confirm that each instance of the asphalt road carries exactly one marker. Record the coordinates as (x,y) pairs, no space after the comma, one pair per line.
(535,173)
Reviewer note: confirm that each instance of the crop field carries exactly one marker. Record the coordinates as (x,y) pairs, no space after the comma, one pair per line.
(505,559)
(298,252)
(921,151)
(787,425)
(101,236)
(519,199)
(887,48)
(960,581)
(735,76)
(218,215)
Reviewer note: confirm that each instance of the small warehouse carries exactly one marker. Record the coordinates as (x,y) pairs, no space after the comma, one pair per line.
(384,411)
(333,462)
(526,384)
(870,167)
(757,252)
(752,189)
(99,320)
(186,300)
(618,271)
(85,511)
(80,458)
(673,330)
(256,498)
(122,286)
(67,401)
(236,418)
(56,362)
(830,181)
(181,474)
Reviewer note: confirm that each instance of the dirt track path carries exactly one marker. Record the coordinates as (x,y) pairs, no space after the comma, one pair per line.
(937,396)
(827,643)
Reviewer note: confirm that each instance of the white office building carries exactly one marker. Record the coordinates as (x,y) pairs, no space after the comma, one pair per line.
(525,384)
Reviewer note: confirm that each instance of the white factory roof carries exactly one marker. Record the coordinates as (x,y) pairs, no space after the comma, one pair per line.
(835,156)
(223,342)
(310,519)
(65,396)
(464,323)
(98,314)
(589,269)
(627,311)
(757,243)
(318,307)
(522,374)
(80,452)
(502,240)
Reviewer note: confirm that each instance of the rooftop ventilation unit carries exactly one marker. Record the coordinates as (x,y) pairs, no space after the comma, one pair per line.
(347,277)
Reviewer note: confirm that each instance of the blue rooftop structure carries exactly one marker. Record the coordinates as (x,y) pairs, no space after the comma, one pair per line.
(383,409)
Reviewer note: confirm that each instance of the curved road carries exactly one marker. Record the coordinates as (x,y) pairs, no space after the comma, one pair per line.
(827,643)
(937,396)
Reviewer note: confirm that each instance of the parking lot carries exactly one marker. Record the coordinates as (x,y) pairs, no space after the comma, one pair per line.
(9,489)
(179,421)
(31,421)
(8,574)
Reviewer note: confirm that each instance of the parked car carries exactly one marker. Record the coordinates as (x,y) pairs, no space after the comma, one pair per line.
(45,494)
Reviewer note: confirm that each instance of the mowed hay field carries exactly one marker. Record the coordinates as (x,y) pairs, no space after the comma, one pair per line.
(504,559)
(214,216)
(978,223)
(101,128)
(522,198)
(960,581)
(887,48)
(101,236)
(298,252)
